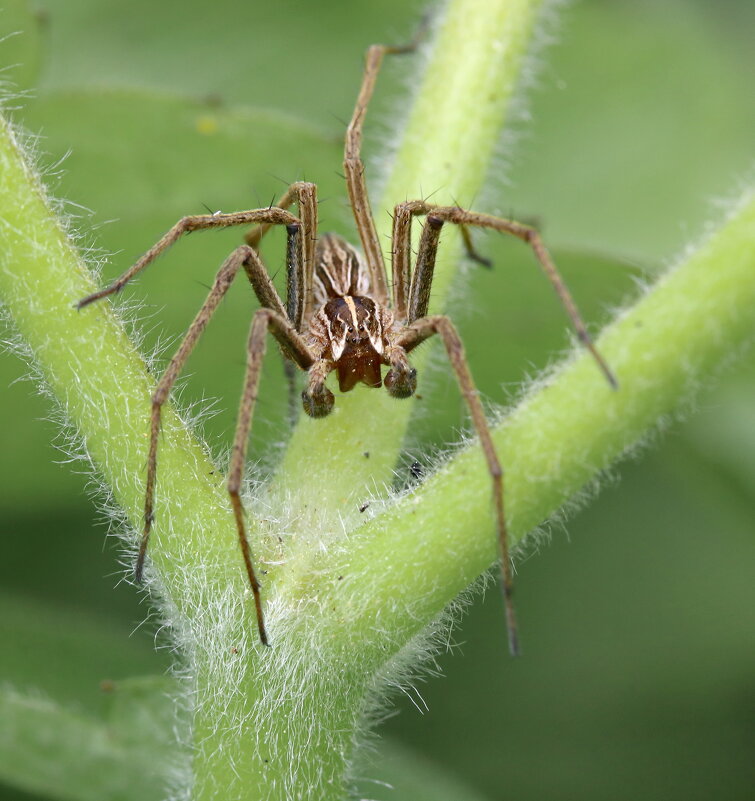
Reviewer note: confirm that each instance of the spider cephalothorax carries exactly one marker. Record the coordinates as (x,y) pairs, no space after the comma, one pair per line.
(349,329)
(339,316)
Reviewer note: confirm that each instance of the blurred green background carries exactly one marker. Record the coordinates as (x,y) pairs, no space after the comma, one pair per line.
(637,625)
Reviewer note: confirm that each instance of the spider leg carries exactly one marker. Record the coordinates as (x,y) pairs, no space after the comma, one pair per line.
(299,296)
(222,282)
(265,290)
(299,300)
(185,225)
(401,251)
(406,340)
(293,344)
(419,294)
(354,169)
(289,373)
(466,238)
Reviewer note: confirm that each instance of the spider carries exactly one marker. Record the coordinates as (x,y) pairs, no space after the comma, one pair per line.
(340,317)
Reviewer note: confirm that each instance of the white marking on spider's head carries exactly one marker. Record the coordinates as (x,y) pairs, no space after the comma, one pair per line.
(374,328)
(337,342)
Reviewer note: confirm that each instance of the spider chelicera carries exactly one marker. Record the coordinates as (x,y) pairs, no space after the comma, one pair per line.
(339,316)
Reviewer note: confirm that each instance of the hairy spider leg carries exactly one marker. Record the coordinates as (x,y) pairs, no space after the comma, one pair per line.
(268,297)
(354,167)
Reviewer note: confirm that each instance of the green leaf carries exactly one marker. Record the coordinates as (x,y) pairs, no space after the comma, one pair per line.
(64,653)
(398,773)
(126,753)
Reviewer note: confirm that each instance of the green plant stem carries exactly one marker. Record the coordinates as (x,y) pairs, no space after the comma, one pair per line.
(455,124)
(103,387)
(88,362)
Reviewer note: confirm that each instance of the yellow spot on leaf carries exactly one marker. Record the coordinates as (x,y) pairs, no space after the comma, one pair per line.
(207,125)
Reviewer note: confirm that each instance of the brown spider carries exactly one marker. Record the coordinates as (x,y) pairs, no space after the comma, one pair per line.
(340,317)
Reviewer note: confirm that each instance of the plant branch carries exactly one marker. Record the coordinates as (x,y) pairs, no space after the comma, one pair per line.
(262,721)
(567,430)
(100,380)
(242,744)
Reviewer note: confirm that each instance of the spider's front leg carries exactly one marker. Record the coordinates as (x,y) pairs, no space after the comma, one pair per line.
(299,295)
(195,222)
(419,293)
(273,316)
(263,286)
(401,253)
(222,283)
(411,302)
(298,282)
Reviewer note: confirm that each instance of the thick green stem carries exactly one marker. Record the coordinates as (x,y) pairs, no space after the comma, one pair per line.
(102,385)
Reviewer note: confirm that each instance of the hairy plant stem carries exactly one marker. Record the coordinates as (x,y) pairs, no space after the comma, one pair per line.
(280,722)
(453,128)
(697,317)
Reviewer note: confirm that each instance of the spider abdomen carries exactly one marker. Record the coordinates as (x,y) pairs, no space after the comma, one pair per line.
(339,270)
